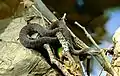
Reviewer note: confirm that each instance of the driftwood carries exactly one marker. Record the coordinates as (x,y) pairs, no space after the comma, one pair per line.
(16,60)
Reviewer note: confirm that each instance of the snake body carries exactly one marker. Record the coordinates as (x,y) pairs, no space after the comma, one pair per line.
(44,35)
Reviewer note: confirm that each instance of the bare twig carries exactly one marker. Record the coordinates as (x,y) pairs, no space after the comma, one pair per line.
(64,16)
(88,35)
(101,58)
(78,42)
(54,61)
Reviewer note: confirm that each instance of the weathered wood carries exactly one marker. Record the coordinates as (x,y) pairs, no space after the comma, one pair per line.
(116,56)
(16,60)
